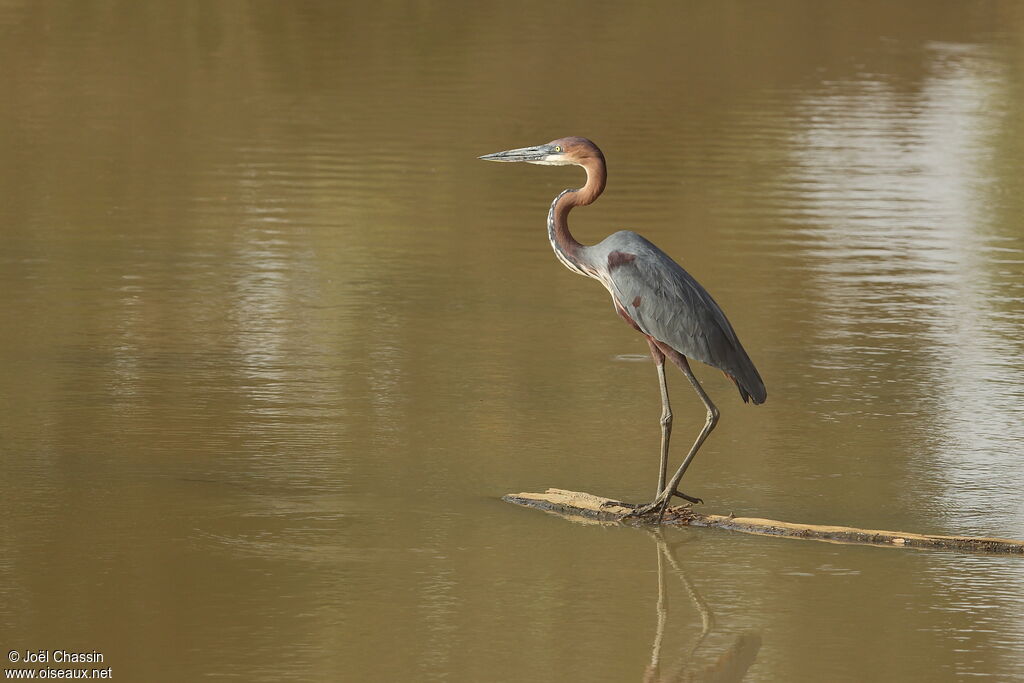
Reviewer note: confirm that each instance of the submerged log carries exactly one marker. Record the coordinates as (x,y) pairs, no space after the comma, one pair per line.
(591,507)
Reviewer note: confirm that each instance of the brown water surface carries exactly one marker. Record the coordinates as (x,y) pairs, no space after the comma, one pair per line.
(275,342)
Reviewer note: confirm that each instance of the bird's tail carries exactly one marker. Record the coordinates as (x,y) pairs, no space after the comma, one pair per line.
(758,399)
(750,384)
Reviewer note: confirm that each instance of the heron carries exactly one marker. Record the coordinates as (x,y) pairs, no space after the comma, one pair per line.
(653,294)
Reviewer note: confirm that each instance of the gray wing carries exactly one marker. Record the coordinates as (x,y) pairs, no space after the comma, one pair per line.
(668,304)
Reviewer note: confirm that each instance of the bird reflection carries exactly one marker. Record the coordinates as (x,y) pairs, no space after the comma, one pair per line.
(706,660)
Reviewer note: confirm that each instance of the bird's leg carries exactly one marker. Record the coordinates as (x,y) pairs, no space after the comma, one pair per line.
(665,495)
(666,414)
(658,354)
(709,424)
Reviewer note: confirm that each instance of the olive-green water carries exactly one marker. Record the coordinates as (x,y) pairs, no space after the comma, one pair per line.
(274,342)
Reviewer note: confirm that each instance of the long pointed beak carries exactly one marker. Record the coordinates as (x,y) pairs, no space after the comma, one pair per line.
(534,154)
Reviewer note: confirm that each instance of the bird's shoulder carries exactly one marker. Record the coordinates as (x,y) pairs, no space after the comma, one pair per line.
(625,239)
(659,294)
(630,258)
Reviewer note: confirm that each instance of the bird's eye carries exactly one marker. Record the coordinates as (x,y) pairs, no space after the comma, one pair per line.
(558,148)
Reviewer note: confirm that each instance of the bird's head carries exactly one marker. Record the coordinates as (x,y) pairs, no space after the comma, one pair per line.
(561,152)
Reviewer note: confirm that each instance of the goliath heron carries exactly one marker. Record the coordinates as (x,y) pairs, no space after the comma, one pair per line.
(652,293)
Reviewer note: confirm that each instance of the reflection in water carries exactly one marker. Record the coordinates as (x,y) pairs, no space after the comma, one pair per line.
(719,663)
(894,189)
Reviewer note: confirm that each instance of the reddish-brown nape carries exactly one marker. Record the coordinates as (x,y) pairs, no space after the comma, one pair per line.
(585,153)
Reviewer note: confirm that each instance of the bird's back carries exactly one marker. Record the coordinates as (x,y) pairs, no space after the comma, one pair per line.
(668,304)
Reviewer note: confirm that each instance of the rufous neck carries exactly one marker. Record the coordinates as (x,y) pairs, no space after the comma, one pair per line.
(565,245)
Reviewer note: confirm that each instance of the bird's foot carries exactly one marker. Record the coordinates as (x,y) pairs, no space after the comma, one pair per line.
(692,499)
(657,505)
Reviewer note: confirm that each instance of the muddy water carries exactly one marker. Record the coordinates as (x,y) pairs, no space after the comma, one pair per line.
(274,342)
